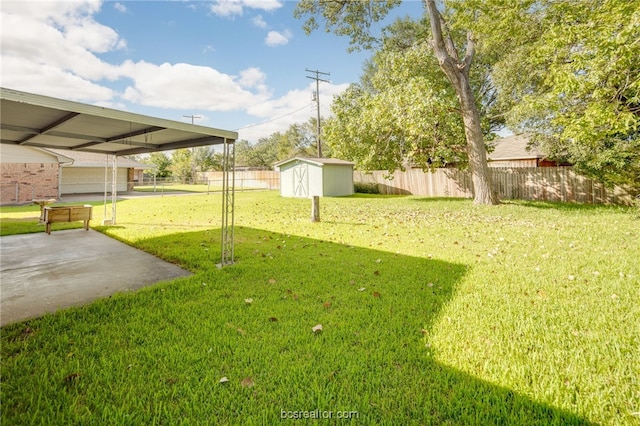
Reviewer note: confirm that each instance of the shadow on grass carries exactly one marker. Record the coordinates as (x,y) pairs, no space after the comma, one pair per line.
(157,356)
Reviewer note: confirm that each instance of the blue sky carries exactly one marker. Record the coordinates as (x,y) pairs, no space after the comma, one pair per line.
(237,64)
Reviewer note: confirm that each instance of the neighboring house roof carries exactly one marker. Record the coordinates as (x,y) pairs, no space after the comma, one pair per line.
(90,159)
(26,154)
(514,147)
(316,161)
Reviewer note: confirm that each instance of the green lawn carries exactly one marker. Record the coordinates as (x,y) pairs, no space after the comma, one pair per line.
(433,311)
(177,187)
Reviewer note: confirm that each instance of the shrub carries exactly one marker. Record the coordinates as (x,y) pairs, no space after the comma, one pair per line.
(366,188)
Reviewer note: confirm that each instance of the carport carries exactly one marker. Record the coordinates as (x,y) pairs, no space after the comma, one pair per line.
(40,121)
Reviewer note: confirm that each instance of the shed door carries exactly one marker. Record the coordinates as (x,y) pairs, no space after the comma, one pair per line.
(300,181)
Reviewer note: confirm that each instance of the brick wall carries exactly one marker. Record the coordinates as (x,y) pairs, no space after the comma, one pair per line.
(22,182)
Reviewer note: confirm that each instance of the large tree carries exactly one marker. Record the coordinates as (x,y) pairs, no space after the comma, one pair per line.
(404,111)
(570,78)
(354,18)
(182,165)
(161,163)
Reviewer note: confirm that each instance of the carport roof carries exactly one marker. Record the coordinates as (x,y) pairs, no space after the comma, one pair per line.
(45,122)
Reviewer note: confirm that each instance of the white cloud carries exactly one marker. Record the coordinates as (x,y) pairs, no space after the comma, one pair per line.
(236,7)
(61,38)
(259,22)
(29,76)
(275,38)
(185,86)
(267,5)
(53,49)
(227,7)
(295,106)
(253,77)
(120,7)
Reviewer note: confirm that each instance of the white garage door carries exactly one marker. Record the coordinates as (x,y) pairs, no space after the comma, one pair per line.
(82,180)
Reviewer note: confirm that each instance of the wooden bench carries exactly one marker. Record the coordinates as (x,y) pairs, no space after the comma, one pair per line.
(59,214)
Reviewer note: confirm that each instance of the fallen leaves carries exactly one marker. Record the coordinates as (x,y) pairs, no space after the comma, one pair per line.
(238,329)
(247,382)
(72,378)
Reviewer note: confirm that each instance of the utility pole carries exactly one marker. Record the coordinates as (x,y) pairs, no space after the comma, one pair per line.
(317,99)
(192,117)
(193,151)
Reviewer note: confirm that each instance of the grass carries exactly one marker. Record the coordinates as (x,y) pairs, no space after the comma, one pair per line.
(176,187)
(433,312)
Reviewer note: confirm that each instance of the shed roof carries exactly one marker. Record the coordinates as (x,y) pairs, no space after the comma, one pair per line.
(41,121)
(315,160)
(514,147)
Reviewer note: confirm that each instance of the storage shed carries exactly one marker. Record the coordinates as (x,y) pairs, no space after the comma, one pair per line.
(305,177)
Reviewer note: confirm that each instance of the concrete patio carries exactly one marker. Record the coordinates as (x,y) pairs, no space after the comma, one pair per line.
(42,273)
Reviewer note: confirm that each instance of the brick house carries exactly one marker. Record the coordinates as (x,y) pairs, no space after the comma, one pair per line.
(87,173)
(514,151)
(28,173)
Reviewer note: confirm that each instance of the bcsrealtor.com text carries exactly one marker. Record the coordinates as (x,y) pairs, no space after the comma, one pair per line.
(318,414)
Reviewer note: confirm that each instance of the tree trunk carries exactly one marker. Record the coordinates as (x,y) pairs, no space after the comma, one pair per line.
(457,71)
(483,192)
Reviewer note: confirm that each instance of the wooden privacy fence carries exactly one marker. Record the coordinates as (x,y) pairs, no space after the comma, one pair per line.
(246,179)
(524,183)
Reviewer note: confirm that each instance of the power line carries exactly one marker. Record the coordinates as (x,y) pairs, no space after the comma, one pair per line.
(317,99)
(273,119)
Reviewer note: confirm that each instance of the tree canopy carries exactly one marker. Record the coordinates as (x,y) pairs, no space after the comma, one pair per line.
(580,100)
(404,112)
(567,73)
(298,139)
(161,162)
(454,56)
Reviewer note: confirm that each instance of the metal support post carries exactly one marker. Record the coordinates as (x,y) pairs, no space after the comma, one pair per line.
(114,188)
(228,201)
